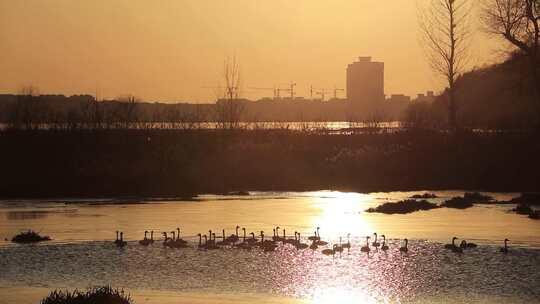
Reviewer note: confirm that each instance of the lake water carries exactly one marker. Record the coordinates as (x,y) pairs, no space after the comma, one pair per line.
(82,253)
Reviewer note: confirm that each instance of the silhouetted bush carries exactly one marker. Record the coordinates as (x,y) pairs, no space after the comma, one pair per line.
(403,207)
(477,197)
(97,295)
(458,203)
(29,237)
(523,209)
(531,199)
(424,196)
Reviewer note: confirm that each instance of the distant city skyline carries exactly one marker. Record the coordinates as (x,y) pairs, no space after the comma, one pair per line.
(171,50)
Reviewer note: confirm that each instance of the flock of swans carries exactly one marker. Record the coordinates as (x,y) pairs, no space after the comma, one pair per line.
(270,244)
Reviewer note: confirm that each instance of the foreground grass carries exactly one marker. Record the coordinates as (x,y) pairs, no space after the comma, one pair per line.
(96,295)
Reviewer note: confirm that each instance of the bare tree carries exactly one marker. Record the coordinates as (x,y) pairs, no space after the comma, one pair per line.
(25,113)
(127,112)
(517,21)
(230,108)
(91,113)
(444,26)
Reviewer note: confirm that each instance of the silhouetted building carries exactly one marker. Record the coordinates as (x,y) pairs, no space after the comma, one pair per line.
(399,98)
(429,97)
(365,82)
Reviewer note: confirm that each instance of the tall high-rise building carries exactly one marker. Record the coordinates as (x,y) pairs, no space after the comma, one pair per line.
(365,82)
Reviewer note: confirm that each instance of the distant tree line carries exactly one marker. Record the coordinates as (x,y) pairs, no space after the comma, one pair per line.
(495,97)
(500,96)
(30,111)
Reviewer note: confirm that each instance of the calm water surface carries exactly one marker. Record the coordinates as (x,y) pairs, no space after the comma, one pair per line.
(82,253)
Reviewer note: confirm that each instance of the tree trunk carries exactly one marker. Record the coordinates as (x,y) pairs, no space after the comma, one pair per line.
(535,75)
(452,117)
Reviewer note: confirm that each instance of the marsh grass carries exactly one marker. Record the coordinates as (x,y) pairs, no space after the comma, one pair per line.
(96,295)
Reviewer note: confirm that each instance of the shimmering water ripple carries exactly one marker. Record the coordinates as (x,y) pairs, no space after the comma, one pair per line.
(427,272)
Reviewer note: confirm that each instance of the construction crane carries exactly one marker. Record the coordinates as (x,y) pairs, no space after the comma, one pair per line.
(232,92)
(275,90)
(322,93)
(290,89)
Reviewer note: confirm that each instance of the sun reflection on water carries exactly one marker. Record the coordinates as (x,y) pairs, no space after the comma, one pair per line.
(341,213)
(341,296)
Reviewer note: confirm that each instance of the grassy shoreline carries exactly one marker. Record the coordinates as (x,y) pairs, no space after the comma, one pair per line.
(184,163)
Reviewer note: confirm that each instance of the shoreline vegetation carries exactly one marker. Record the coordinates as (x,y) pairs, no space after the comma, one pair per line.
(183,163)
(524,203)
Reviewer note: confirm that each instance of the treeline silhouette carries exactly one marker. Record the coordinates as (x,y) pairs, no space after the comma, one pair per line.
(29,111)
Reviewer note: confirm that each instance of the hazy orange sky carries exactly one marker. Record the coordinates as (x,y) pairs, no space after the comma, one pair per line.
(168,50)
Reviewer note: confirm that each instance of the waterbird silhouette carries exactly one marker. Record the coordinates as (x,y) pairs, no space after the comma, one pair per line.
(338,248)
(252,240)
(314,237)
(121,242)
(330,251)
(375,243)
(223,241)
(201,245)
(211,243)
(117,237)
(384,247)
(233,238)
(298,243)
(464,245)
(405,248)
(166,241)
(145,241)
(267,245)
(180,242)
(505,248)
(366,248)
(319,241)
(348,244)
(453,245)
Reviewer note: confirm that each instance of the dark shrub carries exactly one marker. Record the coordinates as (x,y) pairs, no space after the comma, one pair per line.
(523,209)
(403,207)
(532,199)
(29,237)
(424,196)
(458,203)
(477,197)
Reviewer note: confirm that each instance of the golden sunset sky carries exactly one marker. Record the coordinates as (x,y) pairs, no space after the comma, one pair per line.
(168,50)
